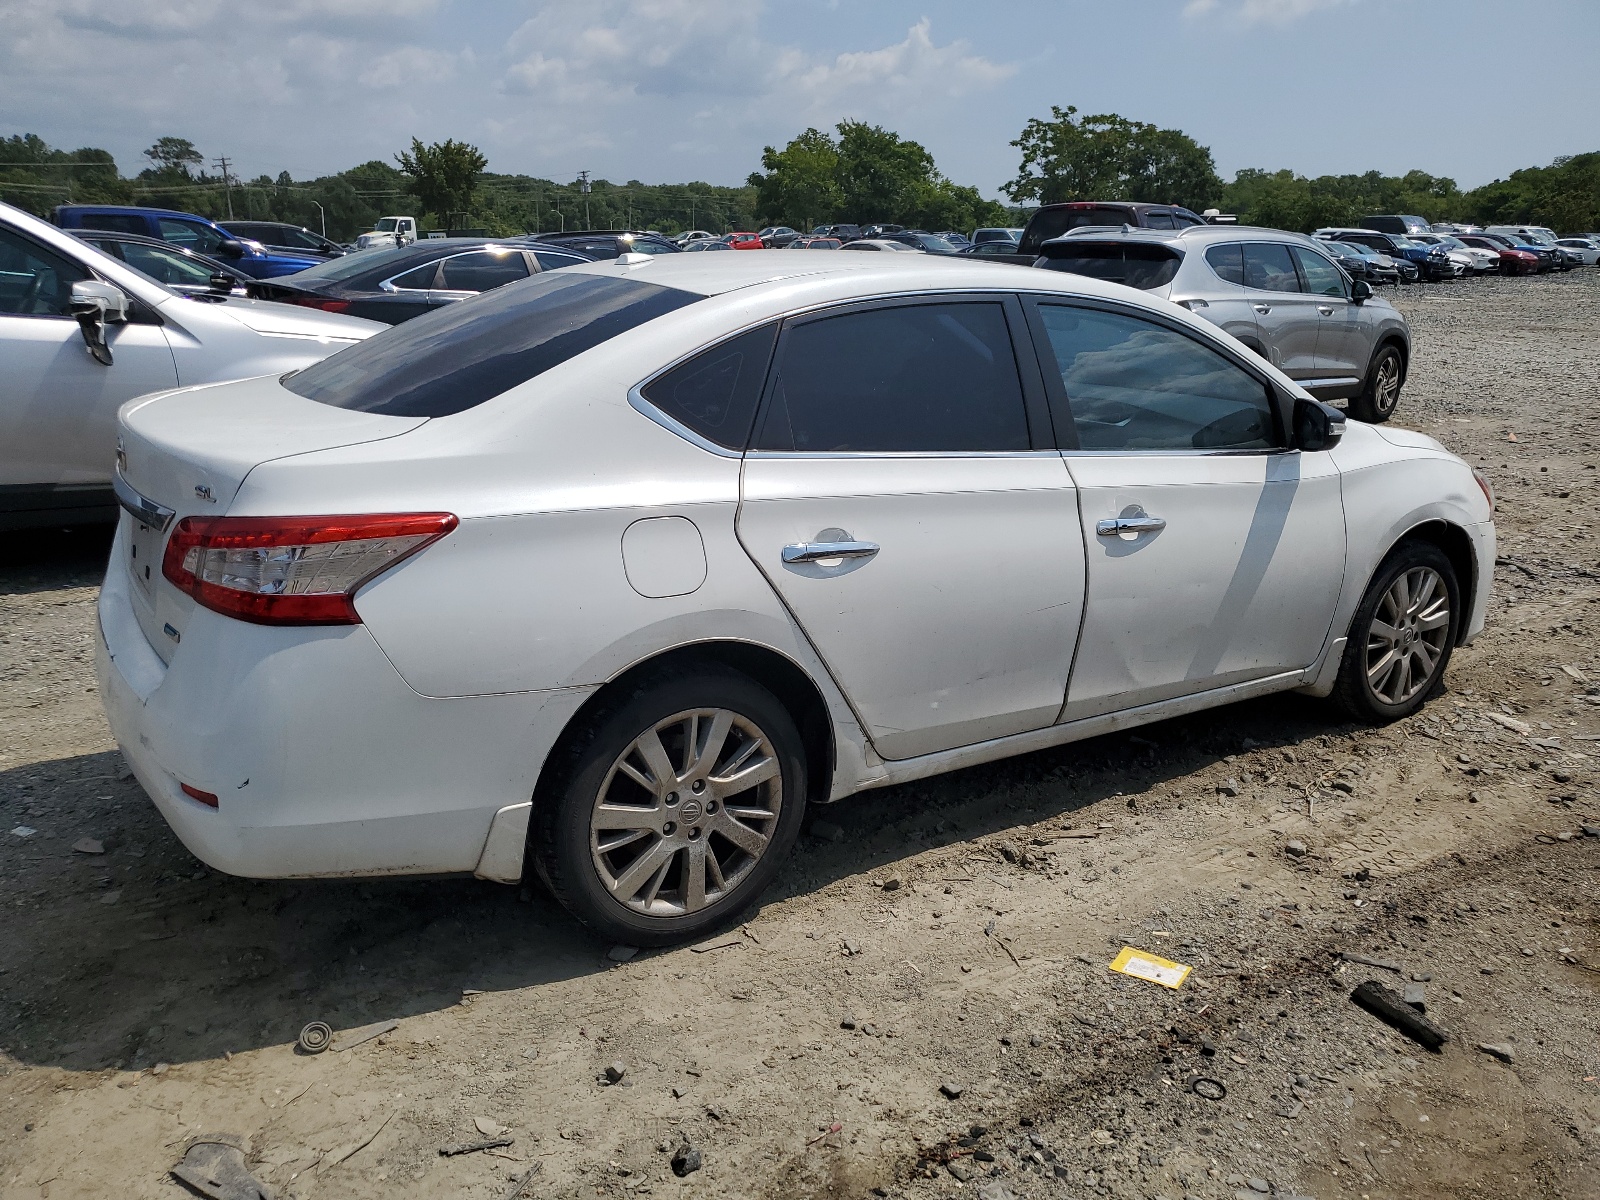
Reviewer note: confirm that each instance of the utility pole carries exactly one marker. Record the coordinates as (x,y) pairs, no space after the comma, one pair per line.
(324,213)
(583,186)
(227,179)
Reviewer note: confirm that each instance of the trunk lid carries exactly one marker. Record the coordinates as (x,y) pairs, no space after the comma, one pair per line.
(189,451)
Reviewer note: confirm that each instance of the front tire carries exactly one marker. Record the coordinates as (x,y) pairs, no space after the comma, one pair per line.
(673,807)
(1381,393)
(1401,636)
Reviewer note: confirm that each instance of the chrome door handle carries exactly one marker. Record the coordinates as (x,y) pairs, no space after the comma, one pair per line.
(1325,310)
(804,552)
(1263,309)
(1116,526)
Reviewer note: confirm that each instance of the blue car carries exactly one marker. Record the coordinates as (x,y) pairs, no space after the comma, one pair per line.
(1431,261)
(187,230)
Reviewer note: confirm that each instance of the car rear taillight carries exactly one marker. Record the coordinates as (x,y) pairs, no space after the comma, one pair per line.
(322,302)
(292,570)
(1483,486)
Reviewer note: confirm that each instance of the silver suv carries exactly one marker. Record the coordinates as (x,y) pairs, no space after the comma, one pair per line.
(1278,293)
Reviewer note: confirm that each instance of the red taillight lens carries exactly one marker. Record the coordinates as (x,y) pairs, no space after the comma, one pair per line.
(321,302)
(292,570)
(209,799)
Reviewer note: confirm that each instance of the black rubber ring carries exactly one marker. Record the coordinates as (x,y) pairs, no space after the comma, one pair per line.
(1214,1089)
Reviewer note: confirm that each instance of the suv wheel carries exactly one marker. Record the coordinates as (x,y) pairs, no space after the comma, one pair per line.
(674,809)
(1381,393)
(1401,636)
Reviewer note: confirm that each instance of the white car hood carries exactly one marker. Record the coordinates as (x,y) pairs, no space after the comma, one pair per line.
(290,320)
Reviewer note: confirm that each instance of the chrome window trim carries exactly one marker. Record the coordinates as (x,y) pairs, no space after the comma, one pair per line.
(905,454)
(140,508)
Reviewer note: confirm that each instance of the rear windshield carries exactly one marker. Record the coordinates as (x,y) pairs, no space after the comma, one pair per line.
(357,263)
(455,358)
(1050,223)
(1132,263)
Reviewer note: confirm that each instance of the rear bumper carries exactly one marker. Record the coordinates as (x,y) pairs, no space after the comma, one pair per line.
(324,762)
(1483,550)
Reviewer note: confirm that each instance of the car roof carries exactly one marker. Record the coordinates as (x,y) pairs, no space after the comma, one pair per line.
(842,275)
(133,208)
(137,239)
(1201,235)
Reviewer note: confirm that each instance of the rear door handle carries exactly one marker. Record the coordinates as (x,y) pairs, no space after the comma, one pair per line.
(1115,526)
(805,552)
(1263,309)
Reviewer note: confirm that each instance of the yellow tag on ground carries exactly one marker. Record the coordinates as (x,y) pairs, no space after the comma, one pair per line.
(1147,966)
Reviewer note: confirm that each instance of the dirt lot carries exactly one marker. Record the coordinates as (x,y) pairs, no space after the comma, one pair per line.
(953,933)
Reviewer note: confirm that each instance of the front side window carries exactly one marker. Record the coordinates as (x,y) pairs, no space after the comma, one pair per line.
(1321,276)
(35,282)
(1135,385)
(912,378)
(483,270)
(1268,267)
(716,392)
(191,235)
(460,356)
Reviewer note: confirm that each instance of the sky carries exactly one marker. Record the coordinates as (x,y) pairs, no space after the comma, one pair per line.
(678,90)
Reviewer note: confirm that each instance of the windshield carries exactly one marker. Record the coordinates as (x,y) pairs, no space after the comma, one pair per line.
(455,358)
(1404,243)
(1452,243)
(387,224)
(165,266)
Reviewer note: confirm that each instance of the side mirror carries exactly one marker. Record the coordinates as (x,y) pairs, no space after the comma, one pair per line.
(97,305)
(221,283)
(232,248)
(1360,290)
(1317,426)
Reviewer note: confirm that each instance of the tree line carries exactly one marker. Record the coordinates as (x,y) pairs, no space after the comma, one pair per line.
(855,173)
(428,182)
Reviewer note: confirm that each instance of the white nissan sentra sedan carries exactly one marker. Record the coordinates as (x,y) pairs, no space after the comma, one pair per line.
(610,573)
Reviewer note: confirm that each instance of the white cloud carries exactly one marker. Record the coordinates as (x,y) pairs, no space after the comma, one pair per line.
(651,88)
(1263,12)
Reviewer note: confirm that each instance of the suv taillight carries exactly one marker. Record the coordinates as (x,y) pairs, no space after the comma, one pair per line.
(292,570)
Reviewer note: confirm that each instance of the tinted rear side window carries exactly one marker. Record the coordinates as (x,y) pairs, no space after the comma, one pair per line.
(455,358)
(715,393)
(115,222)
(1131,263)
(1228,262)
(926,377)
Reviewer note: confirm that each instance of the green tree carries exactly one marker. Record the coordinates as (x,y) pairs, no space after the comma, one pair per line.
(868,174)
(1108,157)
(174,156)
(801,185)
(444,176)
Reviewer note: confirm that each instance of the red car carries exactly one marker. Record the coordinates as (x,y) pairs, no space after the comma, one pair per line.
(1512,262)
(744,241)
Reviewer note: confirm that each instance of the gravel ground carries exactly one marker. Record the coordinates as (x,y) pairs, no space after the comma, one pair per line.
(922,1009)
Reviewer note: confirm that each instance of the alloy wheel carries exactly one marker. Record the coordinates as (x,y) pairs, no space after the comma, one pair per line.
(1386,388)
(1408,634)
(686,812)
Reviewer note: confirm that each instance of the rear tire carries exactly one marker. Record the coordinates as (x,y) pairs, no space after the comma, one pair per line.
(672,808)
(1401,636)
(1380,396)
